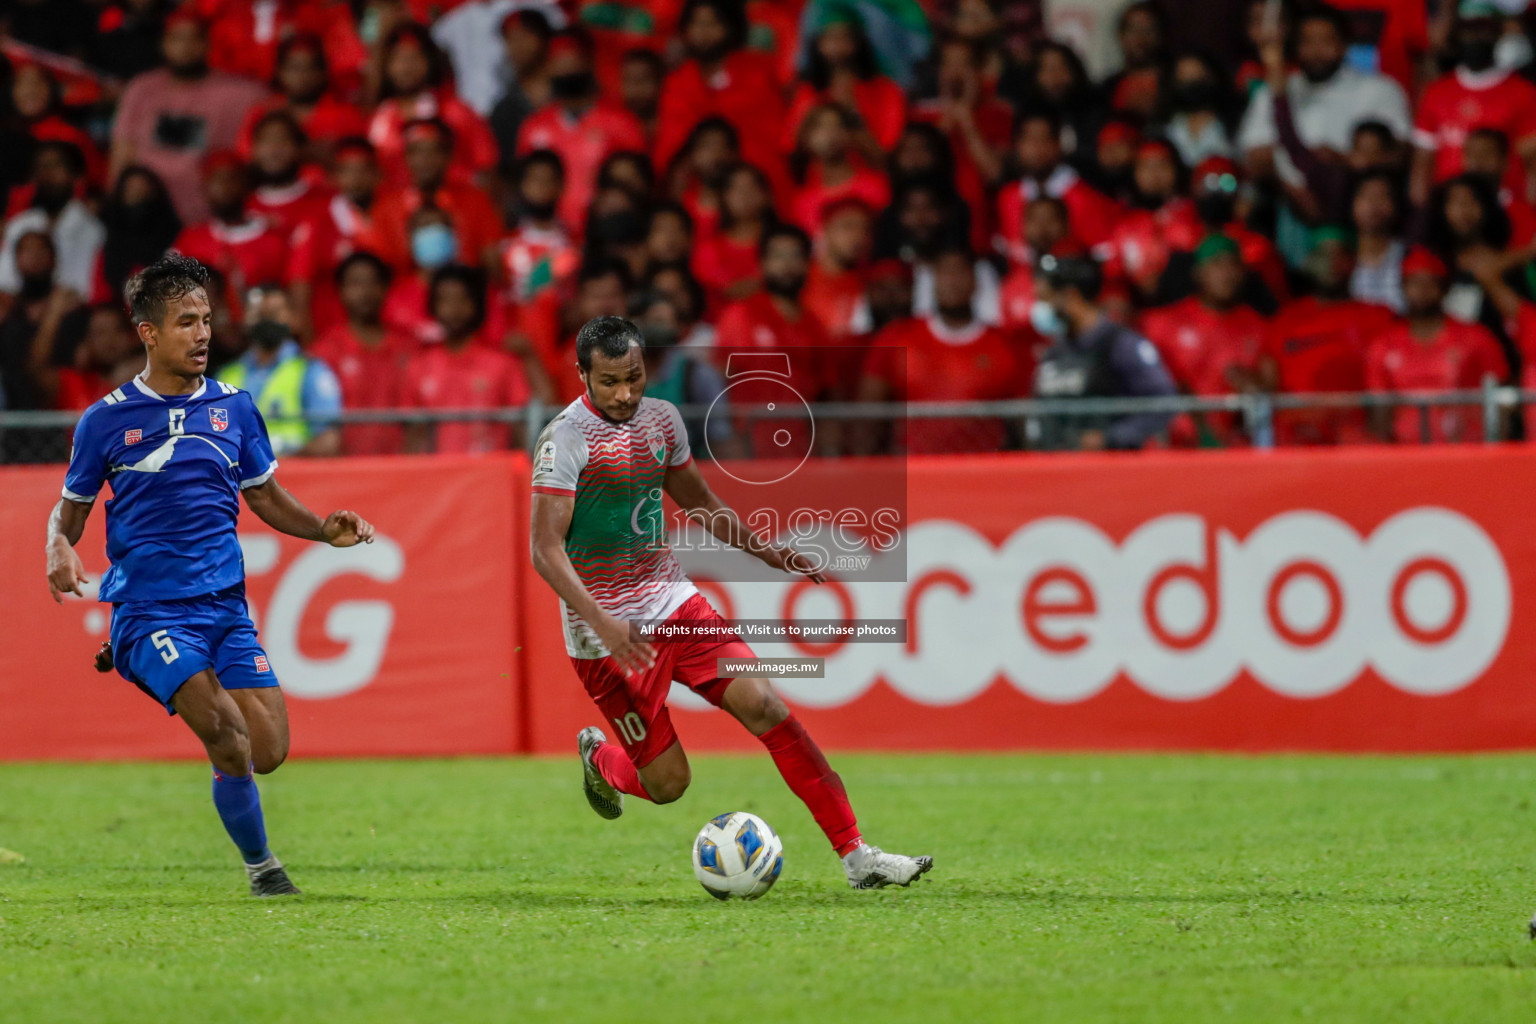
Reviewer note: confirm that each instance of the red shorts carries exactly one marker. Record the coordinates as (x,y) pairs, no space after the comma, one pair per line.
(636,705)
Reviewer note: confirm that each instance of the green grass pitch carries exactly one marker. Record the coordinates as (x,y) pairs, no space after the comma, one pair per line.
(1066,888)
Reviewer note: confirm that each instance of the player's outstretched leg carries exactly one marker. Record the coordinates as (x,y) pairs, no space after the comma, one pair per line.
(213,715)
(606,798)
(753,703)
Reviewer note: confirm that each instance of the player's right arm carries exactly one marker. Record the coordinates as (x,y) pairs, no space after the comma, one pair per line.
(66,573)
(551,522)
(87,472)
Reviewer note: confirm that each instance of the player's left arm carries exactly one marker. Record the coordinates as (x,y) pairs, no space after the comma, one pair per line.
(686,485)
(286,514)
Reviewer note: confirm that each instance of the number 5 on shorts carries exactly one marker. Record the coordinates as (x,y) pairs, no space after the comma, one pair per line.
(630,727)
(166,646)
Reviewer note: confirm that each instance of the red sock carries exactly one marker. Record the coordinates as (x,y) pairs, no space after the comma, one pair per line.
(615,766)
(800,761)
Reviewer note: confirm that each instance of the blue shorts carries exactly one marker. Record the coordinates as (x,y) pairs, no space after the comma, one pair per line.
(159,645)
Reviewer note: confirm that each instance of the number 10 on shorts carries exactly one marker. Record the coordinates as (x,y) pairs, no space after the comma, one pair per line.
(631,728)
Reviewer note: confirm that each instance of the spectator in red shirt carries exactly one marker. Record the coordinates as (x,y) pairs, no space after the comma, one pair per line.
(428,156)
(1477,94)
(843,69)
(170,119)
(345,226)
(640,79)
(107,357)
(668,237)
(1142,34)
(285,195)
(1047,232)
(247,37)
(1428,351)
(369,357)
(726,261)
(546,328)
(36,99)
(241,245)
(698,172)
(976,123)
(826,168)
(834,288)
(538,254)
(416,87)
(947,356)
(433,245)
(721,78)
(459,374)
(1162,221)
(1214,187)
(578,125)
(1318,343)
(302,82)
(1037,148)
(618,29)
(1211,342)
(1485,157)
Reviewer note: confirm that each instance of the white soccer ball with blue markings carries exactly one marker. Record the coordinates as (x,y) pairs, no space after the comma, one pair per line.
(737,856)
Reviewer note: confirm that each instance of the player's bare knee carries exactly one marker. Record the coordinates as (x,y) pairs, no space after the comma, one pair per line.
(265,762)
(670,787)
(772,710)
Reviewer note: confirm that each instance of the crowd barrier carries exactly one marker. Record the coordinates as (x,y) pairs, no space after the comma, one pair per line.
(1351,599)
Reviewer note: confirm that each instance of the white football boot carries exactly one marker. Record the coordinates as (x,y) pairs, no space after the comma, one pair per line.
(870,867)
(605,800)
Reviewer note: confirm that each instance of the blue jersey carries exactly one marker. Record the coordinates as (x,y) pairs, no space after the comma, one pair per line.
(177,464)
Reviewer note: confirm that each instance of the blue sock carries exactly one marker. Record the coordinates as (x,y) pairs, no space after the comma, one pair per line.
(239,806)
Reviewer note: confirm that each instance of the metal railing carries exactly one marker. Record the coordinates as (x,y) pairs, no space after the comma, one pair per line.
(1257,410)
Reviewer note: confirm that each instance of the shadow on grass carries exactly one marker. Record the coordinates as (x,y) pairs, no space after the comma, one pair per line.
(533,899)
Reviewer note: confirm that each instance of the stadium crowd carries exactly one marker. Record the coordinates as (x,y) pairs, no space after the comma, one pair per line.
(416,203)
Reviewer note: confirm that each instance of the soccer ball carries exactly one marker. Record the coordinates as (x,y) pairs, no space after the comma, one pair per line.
(737,855)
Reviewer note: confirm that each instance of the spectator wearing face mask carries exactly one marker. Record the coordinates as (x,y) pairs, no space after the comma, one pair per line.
(1198,104)
(297,395)
(577,125)
(57,171)
(1476,94)
(428,148)
(140,223)
(433,245)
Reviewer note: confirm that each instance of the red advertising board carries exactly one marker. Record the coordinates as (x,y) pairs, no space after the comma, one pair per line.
(405,646)
(1365,599)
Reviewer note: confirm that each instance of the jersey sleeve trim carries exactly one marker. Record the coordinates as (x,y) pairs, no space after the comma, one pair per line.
(83,499)
(564,492)
(684,464)
(257,481)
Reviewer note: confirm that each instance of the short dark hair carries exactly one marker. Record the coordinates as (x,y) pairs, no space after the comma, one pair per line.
(613,336)
(650,58)
(784,231)
(363,256)
(473,281)
(153,289)
(1332,15)
(1081,275)
(547,157)
(731,13)
(597,269)
(70,153)
(283,117)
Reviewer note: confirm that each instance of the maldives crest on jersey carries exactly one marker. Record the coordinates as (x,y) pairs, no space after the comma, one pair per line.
(219,418)
(656,441)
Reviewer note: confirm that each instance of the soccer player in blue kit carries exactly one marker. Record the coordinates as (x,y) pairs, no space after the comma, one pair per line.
(179,449)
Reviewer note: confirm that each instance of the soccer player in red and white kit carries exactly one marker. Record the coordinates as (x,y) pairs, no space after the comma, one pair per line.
(599,541)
